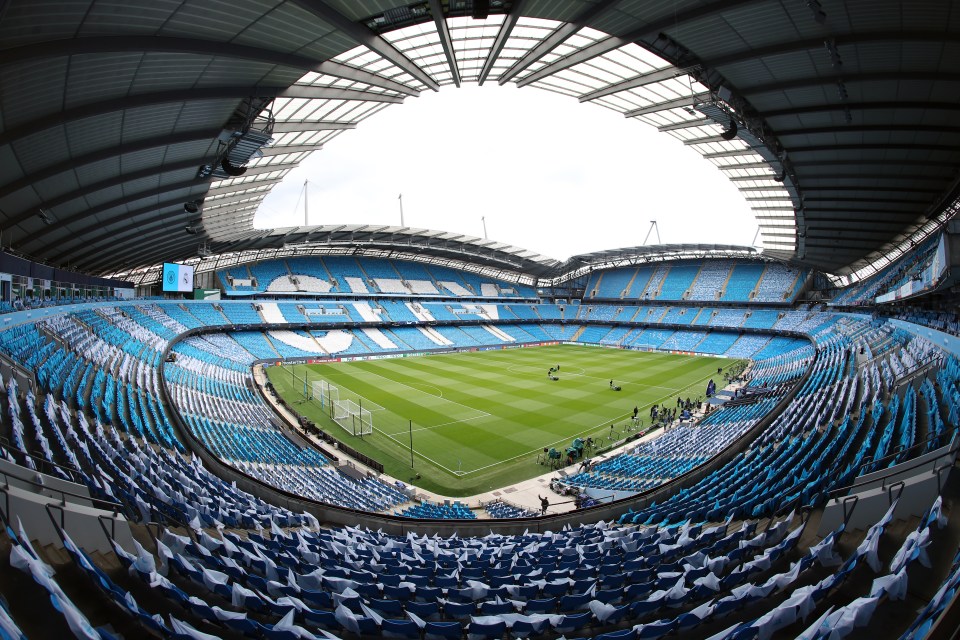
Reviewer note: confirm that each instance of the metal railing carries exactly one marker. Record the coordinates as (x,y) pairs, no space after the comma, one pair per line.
(897,470)
(74,475)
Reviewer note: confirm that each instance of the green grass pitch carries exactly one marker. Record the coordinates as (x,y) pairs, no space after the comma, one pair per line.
(479,419)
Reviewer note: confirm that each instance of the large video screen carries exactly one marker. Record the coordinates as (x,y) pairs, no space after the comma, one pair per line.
(177,278)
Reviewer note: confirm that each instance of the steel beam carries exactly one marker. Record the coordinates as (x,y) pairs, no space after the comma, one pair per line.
(674,19)
(311,92)
(267,168)
(108,153)
(734,153)
(509,22)
(686,124)
(443,30)
(117,104)
(174,204)
(686,101)
(293,148)
(16,218)
(862,106)
(828,80)
(362,34)
(316,125)
(214,191)
(92,212)
(139,44)
(816,44)
(585,54)
(635,82)
(705,140)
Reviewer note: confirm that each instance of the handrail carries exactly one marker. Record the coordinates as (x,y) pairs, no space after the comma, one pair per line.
(834,494)
(901,485)
(900,450)
(11,447)
(5,512)
(56,507)
(848,513)
(112,506)
(159,517)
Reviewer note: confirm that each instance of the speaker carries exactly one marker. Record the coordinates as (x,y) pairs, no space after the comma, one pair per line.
(730,132)
(481,9)
(232,169)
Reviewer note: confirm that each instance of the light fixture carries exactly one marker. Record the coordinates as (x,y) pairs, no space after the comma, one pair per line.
(819,15)
(232,169)
(731,131)
(831,47)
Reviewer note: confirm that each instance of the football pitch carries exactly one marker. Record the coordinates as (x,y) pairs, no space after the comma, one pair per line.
(478,420)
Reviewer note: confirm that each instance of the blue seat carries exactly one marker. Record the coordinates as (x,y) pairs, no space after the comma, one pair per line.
(493,631)
(459,609)
(495,608)
(655,630)
(387,607)
(400,629)
(572,622)
(269,633)
(725,607)
(575,602)
(423,594)
(316,599)
(443,631)
(641,608)
(545,605)
(246,626)
(522,628)
(424,610)
(322,619)
(622,634)
(368,626)
(608,596)
(618,614)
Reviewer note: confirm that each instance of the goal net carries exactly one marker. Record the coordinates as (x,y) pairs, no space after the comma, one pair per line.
(347,413)
(325,393)
(352,417)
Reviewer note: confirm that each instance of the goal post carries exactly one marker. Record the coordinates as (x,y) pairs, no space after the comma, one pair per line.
(324,393)
(353,417)
(347,412)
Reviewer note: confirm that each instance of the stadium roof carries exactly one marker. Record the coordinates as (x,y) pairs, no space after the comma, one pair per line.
(454,249)
(836,120)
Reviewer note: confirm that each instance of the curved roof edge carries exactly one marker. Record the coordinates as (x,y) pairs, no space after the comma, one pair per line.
(469,253)
(466,252)
(584,263)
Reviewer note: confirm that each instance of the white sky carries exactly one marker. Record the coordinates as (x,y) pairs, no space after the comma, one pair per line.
(549,174)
